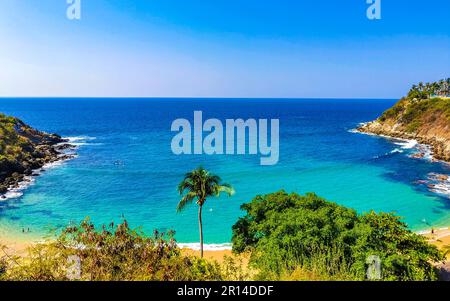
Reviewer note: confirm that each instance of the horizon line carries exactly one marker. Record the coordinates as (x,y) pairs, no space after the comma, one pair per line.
(190,98)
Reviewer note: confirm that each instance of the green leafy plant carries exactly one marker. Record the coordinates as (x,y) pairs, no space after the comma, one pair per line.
(114,252)
(290,235)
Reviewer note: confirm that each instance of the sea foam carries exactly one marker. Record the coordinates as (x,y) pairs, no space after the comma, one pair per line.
(17,192)
(81,140)
(407,144)
(206,247)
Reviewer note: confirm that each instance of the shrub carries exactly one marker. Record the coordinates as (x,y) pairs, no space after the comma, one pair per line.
(111,253)
(290,235)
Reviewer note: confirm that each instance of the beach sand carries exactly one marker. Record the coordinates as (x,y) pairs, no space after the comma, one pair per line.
(15,246)
(217,255)
(19,246)
(440,238)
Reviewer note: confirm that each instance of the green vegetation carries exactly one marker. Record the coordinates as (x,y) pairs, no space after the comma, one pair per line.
(23,149)
(293,237)
(425,104)
(200,184)
(113,253)
(428,90)
(287,236)
(423,115)
(12,145)
(423,99)
(414,114)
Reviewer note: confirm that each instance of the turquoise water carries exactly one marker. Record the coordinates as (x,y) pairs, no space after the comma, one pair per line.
(125,165)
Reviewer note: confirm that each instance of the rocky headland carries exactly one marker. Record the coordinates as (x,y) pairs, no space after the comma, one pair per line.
(423,115)
(24,150)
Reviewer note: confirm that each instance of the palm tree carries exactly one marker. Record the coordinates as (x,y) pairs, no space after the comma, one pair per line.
(420,86)
(200,184)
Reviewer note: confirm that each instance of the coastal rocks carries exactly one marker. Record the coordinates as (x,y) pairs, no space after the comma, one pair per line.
(64,146)
(437,183)
(418,156)
(422,126)
(440,145)
(423,151)
(438,177)
(24,150)
(425,120)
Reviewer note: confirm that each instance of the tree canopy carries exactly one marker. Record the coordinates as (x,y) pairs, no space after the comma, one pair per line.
(426,90)
(287,233)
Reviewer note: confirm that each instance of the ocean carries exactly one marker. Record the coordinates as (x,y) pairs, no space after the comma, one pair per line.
(125,167)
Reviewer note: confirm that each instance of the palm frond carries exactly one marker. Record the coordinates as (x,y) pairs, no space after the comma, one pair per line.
(186,200)
(186,184)
(227,188)
(200,184)
(213,179)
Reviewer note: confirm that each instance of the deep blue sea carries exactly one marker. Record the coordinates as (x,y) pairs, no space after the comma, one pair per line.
(125,166)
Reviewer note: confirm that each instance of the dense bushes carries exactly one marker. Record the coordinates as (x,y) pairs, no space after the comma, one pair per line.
(112,253)
(296,237)
(423,100)
(10,143)
(414,114)
(408,112)
(395,111)
(288,237)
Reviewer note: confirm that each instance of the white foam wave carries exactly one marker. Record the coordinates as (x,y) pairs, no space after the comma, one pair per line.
(439,184)
(206,247)
(442,188)
(396,150)
(407,144)
(84,143)
(80,138)
(78,141)
(428,231)
(17,192)
(11,195)
(427,153)
(51,165)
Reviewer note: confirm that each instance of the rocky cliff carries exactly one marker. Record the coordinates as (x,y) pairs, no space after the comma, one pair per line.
(425,120)
(24,149)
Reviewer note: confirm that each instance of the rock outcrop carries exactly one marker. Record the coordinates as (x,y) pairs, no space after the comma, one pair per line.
(425,120)
(24,149)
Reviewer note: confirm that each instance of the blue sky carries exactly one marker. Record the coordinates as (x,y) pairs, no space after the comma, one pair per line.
(217,48)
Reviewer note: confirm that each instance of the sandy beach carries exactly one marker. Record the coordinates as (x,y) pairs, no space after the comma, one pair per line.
(18,246)
(217,255)
(440,238)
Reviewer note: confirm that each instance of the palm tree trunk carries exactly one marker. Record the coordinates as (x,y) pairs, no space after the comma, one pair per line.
(200,226)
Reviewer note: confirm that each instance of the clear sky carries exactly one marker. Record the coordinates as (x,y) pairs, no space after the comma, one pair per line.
(222,48)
